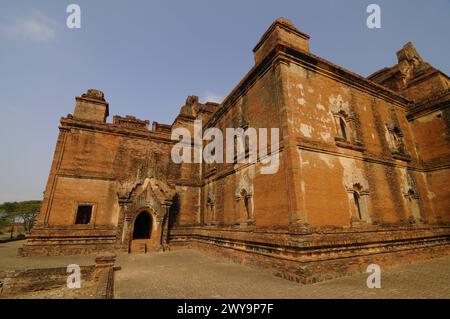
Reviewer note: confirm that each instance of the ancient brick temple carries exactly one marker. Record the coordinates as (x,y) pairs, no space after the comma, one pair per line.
(363,175)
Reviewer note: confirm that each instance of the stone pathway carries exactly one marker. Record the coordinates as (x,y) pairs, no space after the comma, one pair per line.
(193,274)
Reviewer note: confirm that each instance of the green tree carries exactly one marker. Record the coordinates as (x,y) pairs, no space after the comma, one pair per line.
(5,219)
(24,212)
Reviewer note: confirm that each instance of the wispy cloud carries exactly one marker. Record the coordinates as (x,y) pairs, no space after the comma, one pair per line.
(36,27)
(211,97)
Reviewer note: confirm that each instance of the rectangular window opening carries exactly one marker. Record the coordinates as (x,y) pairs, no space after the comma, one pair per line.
(84,213)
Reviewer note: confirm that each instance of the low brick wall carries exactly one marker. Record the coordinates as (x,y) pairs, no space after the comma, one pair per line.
(51,249)
(63,240)
(104,275)
(31,280)
(313,257)
(101,275)
(105,287)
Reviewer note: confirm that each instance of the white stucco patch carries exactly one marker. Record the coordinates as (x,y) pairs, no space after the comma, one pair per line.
(320,107)
(431,195)
(290,121)
(249,171)
(302,181)
(301,101)
(352,174)
(346,89)
(337,103)
(326,136)
(427,118)
(327,159)
(403,179)
(302,91)
(306,130)
(387,136)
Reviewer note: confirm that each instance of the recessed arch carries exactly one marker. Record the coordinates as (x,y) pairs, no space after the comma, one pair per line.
(244,196)
(359,196)
(245,207)
(343,127)
(174,211)
(357,200)
(143,223)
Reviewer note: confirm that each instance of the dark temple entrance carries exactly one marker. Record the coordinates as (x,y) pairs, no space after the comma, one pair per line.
(143,226)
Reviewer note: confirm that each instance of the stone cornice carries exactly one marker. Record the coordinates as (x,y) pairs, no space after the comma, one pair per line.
(284,54)
(336,72)
(369,157)
(77,174)
(432,104)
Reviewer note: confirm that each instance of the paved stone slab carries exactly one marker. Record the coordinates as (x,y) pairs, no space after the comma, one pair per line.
(192,274)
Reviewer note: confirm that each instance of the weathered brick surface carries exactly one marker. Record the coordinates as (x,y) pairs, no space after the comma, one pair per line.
(311,257)
(31,280)
(344,139)
(98,278)
(190,274)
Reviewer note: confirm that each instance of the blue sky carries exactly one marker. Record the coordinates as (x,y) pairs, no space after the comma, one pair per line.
(147,56)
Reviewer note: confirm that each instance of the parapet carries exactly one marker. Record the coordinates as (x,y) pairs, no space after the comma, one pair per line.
(130,121)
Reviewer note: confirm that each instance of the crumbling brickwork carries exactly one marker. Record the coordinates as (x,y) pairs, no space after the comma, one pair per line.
(364,164)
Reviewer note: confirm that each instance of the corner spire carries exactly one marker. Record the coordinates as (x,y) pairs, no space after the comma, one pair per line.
(281,31)
(409,53)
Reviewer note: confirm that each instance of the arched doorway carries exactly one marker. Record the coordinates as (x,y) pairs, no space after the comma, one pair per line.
(142,226)
(142,233)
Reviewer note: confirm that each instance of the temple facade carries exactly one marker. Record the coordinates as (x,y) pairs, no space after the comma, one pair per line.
(363,170)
